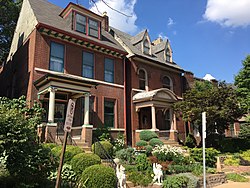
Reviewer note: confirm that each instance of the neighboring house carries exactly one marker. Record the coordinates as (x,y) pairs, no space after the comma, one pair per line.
(127,83)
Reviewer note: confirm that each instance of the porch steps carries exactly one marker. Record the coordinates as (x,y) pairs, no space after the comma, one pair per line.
(166,141)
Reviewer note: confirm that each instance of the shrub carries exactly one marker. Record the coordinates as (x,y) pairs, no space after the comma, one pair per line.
(141,143)
(147,135)
(197,170)
(142,162)
(125,155)
(192,180)
(83,160)
(175,181)
(155,142)
(232,161)
(190,141)
(244,131)
(167,152)
(119,142)
(234,145)
(246,155)
(139,178)
(211,154)
(149,150)
(99,151)
(70,152)
(99,176)
(49,145)
(236,177)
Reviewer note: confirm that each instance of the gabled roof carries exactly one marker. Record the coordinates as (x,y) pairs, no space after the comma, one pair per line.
(127,40)
(139,37)
(159,47)
(48,14)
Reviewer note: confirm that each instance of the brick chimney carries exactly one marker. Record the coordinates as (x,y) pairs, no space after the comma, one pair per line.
(105,21)
(157,41)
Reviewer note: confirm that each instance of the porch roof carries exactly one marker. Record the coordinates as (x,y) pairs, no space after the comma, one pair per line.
(163,94)
(63,82)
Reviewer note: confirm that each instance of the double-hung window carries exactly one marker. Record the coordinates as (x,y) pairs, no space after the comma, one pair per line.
(93,28)
(109,113)
(81,23)
(56,57)
(88,65)
(109,70)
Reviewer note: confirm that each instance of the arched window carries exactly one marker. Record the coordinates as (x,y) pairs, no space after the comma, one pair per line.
(142,79)
(167,82)
(168,54)
(146,47)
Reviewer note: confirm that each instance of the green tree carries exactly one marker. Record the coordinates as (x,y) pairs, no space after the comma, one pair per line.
(26,161)
(219,103)
(9,11)
(242,82)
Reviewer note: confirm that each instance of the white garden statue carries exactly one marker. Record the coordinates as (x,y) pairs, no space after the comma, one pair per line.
(120,174)
(158,174)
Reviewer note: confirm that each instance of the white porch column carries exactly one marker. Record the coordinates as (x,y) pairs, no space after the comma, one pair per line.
(86,109)
(153,118)
(172,119)
(52,95)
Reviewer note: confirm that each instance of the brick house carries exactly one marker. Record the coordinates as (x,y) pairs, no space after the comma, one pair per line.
(128,83)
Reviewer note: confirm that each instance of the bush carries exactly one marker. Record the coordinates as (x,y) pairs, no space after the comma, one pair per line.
(234,145)
(149,150)
(211,155)
(139,178)
(236,177)
(83,160)
(97,149)
(190,141)
(125,155)
(175,181)
(141,143)
(232,161)
(70,152)
(192,180)
(246,155)
(99,176)
(147,135)
(49,145)
(142,162)
(244,131)
(166,152)
(155,142)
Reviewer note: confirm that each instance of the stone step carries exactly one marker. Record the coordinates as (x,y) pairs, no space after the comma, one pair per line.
(166,141)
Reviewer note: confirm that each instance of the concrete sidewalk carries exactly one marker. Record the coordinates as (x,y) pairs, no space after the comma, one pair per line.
(232,184)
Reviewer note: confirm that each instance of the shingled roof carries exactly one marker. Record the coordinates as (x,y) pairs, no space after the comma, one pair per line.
(49,14)
(129,40)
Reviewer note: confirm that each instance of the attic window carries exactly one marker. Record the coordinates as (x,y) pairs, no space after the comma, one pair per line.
(86,25)
(168,54)
(146,47)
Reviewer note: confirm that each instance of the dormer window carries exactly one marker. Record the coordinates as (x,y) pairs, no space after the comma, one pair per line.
(168,55)
(87,25)
(93,28)
(146,47)
(81,23)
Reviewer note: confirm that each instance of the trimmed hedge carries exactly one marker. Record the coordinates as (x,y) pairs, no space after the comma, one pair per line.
(96,148)
(155,141)
(49,145)
(99,176)
(83,160)
(147,135)
(70,152)
(141,143)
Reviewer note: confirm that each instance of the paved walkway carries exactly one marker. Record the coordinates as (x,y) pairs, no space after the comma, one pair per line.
(231,184)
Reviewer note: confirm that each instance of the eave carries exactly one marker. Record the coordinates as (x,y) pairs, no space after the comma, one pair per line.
(78,40)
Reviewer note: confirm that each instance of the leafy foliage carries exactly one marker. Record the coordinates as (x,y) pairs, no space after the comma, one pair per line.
(83,160)
(125,155)
(219,102)
(155,142)
(147,135)
(141,143)
(26,160)
(142,162)
(97,149)
(190,141)
(242,82)
(211,154)
(139,178)
(177,181)
(245,131)
(236,177)
(9,11)
(99,176)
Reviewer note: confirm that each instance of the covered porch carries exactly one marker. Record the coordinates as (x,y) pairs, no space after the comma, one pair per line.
(155,112)
(54,91)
